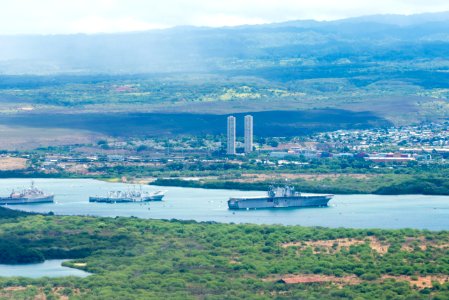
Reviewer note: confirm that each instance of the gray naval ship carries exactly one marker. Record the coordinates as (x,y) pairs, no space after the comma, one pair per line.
(279,197)
(129,196)
(27,196)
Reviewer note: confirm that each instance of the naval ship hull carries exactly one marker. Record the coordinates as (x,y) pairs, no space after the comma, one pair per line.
(125,199)
(24,200)
(279,202)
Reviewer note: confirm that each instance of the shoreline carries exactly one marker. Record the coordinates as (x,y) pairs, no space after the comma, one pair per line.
(263,186)
(420,186)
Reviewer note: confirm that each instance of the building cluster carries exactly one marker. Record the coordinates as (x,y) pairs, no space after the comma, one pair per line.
(397,144)
(231,135)
(427,137)
(424,144)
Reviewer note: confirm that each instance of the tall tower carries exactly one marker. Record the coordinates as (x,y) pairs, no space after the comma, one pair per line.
(248,134)
(231,136)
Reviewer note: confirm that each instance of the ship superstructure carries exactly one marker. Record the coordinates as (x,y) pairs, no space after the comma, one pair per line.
(129,196)
(279,197)
(27,196)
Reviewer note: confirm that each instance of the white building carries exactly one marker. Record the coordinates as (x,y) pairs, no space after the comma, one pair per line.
(248,134)
(231,136)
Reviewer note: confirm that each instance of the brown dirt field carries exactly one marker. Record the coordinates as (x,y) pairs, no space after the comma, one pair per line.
(313,278)
(57,291)
(328,245)
(40,296)
(14,288)
(12,163)
(422,281)
(378,246)
(325,243)
(8,292)
(409,246)
(375,244)
(423,244)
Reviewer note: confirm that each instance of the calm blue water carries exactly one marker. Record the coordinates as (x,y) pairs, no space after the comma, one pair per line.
(49,268)
(351,211)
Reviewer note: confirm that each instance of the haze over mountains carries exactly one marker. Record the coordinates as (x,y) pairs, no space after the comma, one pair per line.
(365,40)
(371,71)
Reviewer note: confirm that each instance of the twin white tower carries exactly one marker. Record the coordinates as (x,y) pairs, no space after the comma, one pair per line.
(248,135)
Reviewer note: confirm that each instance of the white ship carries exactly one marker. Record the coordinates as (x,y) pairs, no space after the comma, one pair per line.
(27,196)
(129,196)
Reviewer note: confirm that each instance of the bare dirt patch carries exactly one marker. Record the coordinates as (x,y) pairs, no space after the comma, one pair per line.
(56,292)
(59,292)
(12,163)
(14,288)
(420,282)
(314,278)
(423,244)
(378,246)
(411,243)
(381,247)
(336,245)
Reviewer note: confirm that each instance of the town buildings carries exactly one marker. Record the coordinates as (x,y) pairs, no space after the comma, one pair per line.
(248,134)
(231,136)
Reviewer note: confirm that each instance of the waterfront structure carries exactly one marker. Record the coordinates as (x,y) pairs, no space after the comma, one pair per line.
(248,134)
(231,136)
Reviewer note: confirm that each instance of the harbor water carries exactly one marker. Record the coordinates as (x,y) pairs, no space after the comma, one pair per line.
(49,268)
(350,211)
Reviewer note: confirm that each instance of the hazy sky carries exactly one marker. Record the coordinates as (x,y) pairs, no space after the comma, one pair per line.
(92,16)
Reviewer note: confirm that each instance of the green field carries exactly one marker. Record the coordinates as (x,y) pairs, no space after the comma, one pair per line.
(228,93)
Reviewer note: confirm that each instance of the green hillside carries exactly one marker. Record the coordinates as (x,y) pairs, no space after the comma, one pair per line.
(150,259)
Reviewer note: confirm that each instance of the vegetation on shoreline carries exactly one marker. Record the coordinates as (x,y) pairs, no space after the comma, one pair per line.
(6,213)
(358,177)
(144,259)
(382,185)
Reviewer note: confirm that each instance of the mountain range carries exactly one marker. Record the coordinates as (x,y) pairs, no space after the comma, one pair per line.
(363,40)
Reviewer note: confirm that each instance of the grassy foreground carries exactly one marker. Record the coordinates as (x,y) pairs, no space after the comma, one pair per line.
(152,259)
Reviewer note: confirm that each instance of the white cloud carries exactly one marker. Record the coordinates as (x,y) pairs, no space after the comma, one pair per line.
(94,24)
(68,16)
(220,20)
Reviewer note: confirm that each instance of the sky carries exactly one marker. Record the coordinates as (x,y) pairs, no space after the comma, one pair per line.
(101,16)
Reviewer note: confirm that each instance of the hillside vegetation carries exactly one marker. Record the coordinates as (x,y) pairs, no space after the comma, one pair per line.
(149,259)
